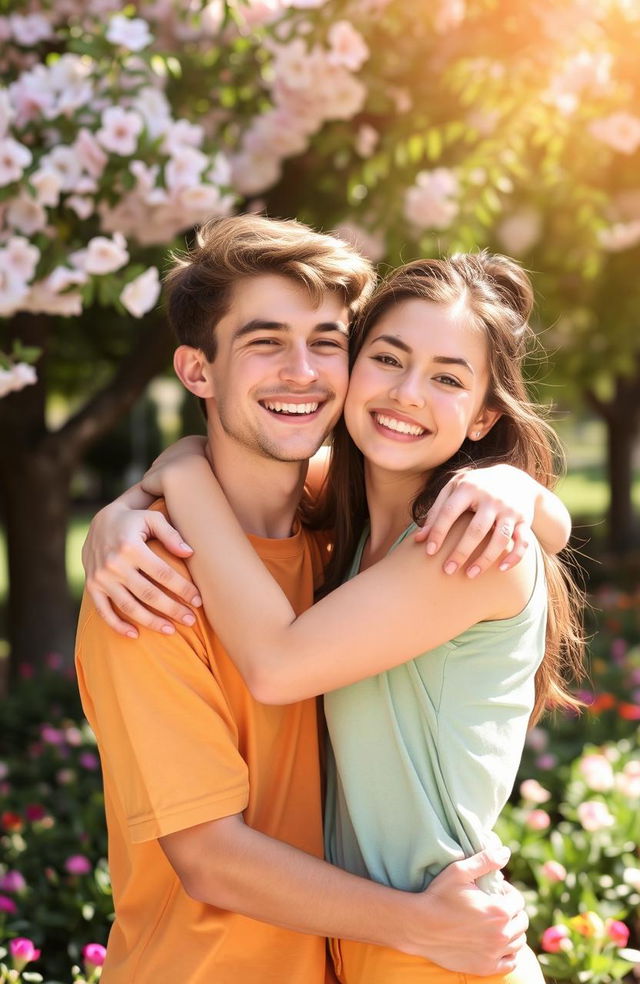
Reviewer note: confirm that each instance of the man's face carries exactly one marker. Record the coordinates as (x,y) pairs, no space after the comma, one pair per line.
(280,374)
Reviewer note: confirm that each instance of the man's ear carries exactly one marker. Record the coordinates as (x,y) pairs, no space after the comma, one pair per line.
(192,369)
(483,423)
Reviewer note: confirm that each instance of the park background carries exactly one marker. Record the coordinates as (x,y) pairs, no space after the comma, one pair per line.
(412,127)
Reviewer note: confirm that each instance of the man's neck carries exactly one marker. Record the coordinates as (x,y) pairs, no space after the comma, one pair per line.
(263,493)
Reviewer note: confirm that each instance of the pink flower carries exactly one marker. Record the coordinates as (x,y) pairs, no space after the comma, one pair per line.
(431,202)
(8,905)
(594,815)
(533,792)
(130,32)
(106,255)
(12,881)
(537,820)
(93,955)
(620,131)
(554,871)
(78,864)
(120,130)
(34,812)
(14,157)
(628,781)
(553,938)
(617,931)
(348,47)
(22,952)
(141,294)
(597,772)
(89,761)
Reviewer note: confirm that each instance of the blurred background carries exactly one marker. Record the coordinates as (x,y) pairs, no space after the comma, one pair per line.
(410,127)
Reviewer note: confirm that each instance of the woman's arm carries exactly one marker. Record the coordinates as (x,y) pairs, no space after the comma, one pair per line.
(370,624)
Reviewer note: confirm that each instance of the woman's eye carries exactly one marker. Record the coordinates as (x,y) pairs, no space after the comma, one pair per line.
(386,360)
(448,380)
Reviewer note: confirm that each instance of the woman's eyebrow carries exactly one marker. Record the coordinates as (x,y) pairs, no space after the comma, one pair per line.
(445,360)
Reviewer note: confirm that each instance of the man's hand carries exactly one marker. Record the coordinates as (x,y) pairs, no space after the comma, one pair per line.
(469,931)
(122,570)
(502,498)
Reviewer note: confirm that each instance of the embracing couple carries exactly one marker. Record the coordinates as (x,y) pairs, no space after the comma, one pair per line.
(443,624)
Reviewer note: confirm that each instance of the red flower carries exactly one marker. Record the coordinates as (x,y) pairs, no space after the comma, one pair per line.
(11,821)
(617,932)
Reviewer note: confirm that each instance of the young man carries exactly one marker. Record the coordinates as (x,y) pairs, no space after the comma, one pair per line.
(213,801)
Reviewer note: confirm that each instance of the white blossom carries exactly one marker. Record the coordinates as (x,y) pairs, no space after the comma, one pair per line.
(26,215)
(7,112)
(620,236)
(129,32)
(64,161)
(47,185)
(106,255)
(20,258)
(28,30)
(520,231)
(620,131)
(16,378)
(14,157)
(141,294)
(347,46)
(120,130)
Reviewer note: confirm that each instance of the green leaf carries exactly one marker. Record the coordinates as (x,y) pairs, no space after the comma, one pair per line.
(434,144)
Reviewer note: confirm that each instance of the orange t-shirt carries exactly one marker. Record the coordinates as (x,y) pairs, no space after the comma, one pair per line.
(183,742)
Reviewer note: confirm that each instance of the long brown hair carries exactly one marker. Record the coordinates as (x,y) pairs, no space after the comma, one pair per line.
(498,296)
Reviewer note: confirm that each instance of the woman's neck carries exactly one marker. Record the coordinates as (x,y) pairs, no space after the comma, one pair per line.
(390,496)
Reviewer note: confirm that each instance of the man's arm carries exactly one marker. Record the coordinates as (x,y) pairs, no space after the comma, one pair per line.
(229,865)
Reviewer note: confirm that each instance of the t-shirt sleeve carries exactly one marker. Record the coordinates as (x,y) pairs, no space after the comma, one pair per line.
(167,738)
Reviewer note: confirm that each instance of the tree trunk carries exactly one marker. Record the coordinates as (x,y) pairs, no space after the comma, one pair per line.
(36,467)
(622,418)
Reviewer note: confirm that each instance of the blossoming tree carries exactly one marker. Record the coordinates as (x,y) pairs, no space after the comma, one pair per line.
(411,127)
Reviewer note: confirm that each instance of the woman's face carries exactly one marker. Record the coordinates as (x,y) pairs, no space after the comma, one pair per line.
(418,386)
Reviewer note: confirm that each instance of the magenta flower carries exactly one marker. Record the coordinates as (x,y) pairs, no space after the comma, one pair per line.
(8,905)
(12,881)
(93,955)
(89,761)
(617,931)
(34,811)
(78,864)
(22,952)
(52,736)
(553,939)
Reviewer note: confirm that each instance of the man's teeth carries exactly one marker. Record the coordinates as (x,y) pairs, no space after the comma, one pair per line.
(401,426)
(291,407)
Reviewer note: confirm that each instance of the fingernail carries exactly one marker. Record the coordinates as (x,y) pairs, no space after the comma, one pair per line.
(473,571)
(189,619)
(185,546)
(503,567)
(132,634)
(197,601)
(167,629)
(432,546)
(451,567)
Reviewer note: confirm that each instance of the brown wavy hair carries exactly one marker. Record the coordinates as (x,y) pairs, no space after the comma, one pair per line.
(498,297)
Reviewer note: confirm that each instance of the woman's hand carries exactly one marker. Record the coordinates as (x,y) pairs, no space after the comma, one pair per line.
(502,498)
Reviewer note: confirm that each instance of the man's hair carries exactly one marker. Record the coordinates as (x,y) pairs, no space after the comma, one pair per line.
(200,284)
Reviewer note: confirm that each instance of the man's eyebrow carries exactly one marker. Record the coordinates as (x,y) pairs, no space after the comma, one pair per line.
(444,360)
(260,324)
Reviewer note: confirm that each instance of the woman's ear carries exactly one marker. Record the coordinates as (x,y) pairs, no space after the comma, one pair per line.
(193,371)
(483,423)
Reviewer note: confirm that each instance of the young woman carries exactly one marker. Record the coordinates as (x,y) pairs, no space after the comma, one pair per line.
(431,679)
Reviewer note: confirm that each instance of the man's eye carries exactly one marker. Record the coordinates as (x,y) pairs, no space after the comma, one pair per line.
(264,341)
(334,343)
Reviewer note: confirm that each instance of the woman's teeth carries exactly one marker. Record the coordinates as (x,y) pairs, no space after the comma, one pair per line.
(278,407)
(401,426)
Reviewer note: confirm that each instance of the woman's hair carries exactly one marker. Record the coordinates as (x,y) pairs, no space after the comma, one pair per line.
(497,295)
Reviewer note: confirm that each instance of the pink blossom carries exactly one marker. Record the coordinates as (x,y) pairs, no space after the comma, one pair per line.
(16,377)
(90,154)
(628,781)
(183,170)
(370,244)
(553,938)
(366,140)
(520,231)
(78,864)
(182,133)
(253,173)
(22,952)
(293,65)
(431,203)
(546,762)
(52,736)
(537,739)
(30,29)
(617,932)
(449,15)
(537,820)
(347,46)
(26,215)
(12,881)
(620,131)
(620,236)
(8,905)
(94,955)
(105,255)
(141,294)
(47,183)
(14,157)
(597,772)
(34,812)
(6,112)
(533,792)
(20,257)
(553,871)
(89,761)
(129,32)
(594,815)
(341,94)
(120,130)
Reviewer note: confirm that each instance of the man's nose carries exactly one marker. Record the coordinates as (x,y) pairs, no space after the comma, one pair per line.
(299,366)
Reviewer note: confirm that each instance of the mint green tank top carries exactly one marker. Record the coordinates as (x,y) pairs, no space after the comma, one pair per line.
(423,757)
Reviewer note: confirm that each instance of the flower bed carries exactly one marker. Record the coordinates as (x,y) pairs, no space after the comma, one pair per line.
(573,824)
